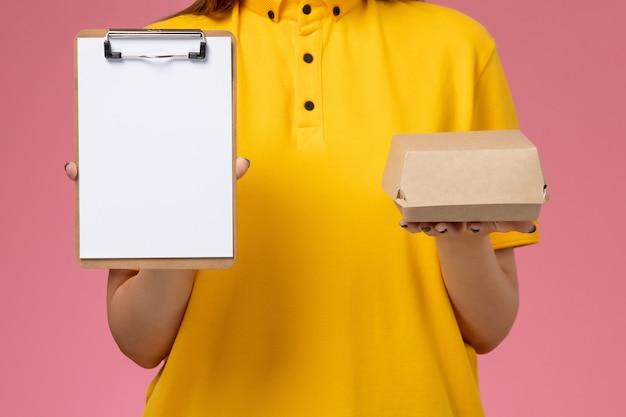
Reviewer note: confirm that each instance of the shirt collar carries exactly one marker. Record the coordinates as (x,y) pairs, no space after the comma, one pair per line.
(272,8)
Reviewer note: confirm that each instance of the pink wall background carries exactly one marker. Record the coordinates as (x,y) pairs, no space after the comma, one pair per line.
(566,355)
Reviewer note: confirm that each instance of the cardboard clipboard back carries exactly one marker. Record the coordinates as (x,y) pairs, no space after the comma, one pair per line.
(163,262)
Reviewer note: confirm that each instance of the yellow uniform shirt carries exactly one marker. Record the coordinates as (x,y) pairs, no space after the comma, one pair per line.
(332,309)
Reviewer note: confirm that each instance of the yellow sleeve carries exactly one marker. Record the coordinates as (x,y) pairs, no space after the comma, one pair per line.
(513,239)
(493,104)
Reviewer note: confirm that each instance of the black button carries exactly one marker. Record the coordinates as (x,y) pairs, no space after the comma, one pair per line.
(336,10)
(306,9)
(309,105)
(270,14)
(308,58)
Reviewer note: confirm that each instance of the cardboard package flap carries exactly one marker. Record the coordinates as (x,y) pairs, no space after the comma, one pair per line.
(493,175)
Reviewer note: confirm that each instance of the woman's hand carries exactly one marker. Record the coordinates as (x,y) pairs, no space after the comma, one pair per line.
(145,308)
(454,229)
(241,167)
(481,283)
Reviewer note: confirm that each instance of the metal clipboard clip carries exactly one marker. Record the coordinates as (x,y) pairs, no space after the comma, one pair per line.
(154,34)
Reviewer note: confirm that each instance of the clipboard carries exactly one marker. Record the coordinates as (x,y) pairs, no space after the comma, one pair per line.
(155,146)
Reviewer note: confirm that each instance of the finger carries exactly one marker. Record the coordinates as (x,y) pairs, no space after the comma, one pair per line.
(71,170)
(448,228)
(427,227)
(410,226)
(476,227)
(241,167)
(442,228)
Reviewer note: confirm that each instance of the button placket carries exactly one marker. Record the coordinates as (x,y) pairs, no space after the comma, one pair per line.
(308,73)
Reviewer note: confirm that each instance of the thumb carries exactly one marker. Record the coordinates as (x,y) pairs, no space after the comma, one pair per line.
(241,167)
(71,170)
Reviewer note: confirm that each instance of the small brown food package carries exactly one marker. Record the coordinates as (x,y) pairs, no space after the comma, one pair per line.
(493,175)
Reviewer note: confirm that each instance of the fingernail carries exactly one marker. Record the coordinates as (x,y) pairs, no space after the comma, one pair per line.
(249,163)
(426,229)
(404,225)
(533,230)
(65,166)
(442,230)
(475,229)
